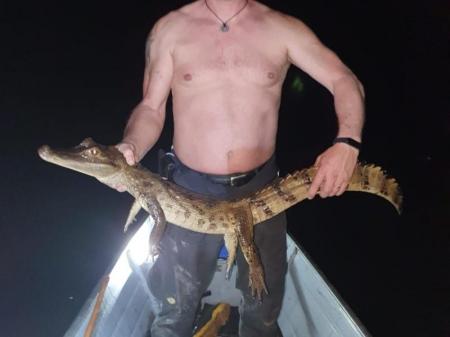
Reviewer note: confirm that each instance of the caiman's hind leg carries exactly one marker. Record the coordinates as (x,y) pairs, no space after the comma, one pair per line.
(243,225)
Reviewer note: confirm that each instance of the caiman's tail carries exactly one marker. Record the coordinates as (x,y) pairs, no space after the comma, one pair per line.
(372,179)
(290,190)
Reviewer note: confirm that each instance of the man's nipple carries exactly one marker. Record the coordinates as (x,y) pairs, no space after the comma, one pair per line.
(187,77)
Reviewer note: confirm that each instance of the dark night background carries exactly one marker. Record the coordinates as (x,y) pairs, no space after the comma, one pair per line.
(74,69)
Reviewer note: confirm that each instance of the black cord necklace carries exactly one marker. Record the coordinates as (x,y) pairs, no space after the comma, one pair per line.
(224,27)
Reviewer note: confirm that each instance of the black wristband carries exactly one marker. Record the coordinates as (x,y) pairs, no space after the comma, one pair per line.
(349,141)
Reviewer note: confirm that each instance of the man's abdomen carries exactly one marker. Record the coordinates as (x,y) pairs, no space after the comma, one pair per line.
(223,133)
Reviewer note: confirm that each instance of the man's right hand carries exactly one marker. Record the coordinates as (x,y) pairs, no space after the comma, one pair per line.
(129,152)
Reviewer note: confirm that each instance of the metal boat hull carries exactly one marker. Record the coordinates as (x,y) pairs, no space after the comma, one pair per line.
(311,307)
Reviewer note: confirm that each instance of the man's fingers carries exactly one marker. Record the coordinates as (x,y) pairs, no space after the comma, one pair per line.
(121,188)
(337,185)
(317,181)
(128,151)
(335,190)
(342,188)
(326,189)
(333,174)
(129,157)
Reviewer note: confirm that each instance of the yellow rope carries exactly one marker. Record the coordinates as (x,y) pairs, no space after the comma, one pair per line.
(219,317)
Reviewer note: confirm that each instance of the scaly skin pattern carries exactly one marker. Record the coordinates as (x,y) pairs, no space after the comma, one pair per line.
(165,201)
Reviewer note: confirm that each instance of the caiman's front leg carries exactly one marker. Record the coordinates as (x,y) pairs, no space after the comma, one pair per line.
(231,245)
(152,206)
(135,208)
(243,225)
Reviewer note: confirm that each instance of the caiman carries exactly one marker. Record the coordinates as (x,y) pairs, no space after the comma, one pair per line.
(164,200)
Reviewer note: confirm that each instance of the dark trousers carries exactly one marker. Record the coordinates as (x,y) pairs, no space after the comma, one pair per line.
(187,262)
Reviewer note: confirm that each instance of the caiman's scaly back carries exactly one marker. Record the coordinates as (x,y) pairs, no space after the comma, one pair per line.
(235,219)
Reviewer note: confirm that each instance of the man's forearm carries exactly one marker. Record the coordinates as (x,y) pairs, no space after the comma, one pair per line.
(143,128)
(349,105)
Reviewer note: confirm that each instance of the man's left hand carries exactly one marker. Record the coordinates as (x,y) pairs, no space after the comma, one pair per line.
(335,167)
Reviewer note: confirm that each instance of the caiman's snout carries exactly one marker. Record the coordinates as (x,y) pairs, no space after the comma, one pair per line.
(90,158)
(44,151)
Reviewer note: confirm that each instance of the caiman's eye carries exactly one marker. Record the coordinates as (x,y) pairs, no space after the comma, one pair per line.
(93,151)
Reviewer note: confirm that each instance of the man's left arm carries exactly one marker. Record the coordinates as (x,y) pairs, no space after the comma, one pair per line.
(336,164)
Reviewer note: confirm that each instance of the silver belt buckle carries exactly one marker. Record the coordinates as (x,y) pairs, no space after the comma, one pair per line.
(235,178)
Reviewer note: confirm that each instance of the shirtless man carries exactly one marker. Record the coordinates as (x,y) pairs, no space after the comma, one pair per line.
(225,62)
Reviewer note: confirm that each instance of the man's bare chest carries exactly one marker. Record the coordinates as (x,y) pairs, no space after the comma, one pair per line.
(205,59)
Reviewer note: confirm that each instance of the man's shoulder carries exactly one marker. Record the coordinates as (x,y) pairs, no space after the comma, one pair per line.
(278,18)
(178,16)
(174,22)
(287,26)
(167,22)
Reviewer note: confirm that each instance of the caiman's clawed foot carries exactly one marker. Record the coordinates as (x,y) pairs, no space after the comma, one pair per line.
(228,272)
(231,243)
(256,282)
(154,251)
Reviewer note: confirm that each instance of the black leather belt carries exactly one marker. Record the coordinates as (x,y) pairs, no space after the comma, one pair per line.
(168,161)
(237,179)
(234,180)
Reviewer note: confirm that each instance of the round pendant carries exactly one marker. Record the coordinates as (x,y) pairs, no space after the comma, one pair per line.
(224,28)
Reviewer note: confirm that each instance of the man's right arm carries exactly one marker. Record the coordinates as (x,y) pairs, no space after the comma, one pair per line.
(147,118)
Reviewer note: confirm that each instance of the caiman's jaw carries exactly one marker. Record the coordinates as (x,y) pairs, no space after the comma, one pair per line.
(90,158)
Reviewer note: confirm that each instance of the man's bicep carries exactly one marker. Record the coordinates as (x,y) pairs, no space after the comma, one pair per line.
(148,47)
(308,53)
(157,82)
(158,70)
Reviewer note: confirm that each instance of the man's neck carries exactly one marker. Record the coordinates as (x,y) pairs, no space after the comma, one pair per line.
(226,8)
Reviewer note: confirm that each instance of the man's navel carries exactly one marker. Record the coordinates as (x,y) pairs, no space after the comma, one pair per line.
(229,155)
